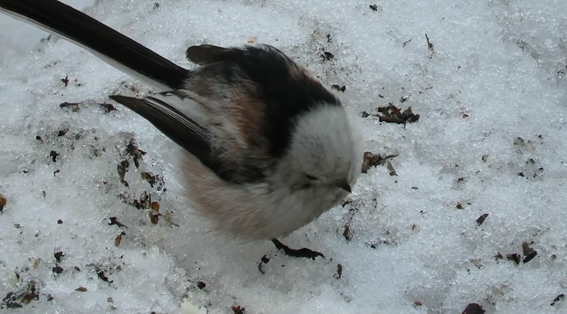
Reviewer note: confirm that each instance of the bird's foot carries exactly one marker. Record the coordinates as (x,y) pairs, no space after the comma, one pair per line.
(304,252)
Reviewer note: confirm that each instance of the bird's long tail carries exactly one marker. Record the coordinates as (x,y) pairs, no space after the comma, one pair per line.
(114,48)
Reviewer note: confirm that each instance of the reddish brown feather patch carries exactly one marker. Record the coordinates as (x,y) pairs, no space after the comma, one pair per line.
(248,114)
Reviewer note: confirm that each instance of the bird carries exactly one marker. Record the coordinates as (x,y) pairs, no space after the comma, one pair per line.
(266,147)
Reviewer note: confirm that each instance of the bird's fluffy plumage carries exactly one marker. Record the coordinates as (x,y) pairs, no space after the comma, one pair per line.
(268,148)
(265,140)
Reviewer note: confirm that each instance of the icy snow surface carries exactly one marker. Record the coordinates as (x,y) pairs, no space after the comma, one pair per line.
(490,140)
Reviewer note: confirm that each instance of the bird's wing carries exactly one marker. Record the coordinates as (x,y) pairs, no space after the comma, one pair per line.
(162,112)
(183,117)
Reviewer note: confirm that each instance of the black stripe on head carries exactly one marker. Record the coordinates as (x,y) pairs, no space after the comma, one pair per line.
(284,86)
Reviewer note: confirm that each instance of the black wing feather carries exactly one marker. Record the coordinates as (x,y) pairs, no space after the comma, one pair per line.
(179,128)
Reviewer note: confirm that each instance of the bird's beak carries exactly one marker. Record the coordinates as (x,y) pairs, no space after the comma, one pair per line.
(345,186)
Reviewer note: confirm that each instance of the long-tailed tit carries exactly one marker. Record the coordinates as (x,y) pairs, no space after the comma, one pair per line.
(268,148)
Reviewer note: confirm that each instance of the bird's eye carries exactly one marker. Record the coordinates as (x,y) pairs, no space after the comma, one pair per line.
(310,177)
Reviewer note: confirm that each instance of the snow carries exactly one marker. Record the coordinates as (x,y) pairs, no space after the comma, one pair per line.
(490,140)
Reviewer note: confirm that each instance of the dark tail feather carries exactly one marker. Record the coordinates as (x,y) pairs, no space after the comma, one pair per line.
(123,52)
